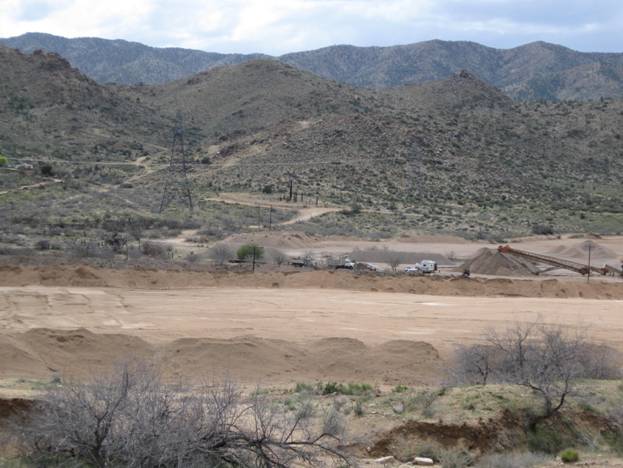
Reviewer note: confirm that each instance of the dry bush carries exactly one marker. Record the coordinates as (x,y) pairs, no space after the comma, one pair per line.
(473,365)
(549,360)
(87,249)
(156,250)
(221,254)
(131,418)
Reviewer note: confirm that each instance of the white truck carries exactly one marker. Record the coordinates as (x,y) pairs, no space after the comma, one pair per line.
(425,266)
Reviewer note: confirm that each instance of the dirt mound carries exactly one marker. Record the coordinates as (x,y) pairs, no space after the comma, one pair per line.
(79,352)
(490,262)
(248,359)
(275,239)
(15,361)
(10,407)
(580,251)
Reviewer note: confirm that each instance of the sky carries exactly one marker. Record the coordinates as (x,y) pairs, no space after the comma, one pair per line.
(280,26)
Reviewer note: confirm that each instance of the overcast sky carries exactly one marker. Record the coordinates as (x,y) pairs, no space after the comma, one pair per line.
(279,26)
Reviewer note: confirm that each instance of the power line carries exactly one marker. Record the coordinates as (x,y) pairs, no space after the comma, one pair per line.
(177,184)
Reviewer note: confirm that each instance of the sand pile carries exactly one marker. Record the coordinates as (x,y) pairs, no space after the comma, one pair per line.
(274,239)
(580,251)
(39,353)
(490,262)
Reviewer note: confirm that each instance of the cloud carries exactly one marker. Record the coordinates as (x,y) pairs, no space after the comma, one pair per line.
(279,26)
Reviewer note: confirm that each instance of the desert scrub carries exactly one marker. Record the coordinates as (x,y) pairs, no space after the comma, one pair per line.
(455,459)
(346,389)
(569,456)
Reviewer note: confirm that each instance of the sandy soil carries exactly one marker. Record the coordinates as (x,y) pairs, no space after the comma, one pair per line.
(268,335)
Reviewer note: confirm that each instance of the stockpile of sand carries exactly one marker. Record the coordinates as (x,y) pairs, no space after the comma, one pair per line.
(580,251)
(39,353)
(490,262)
(274,239)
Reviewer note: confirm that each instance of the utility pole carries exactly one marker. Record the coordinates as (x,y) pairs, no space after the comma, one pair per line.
(254,247)
(588,276)
(270,218)
(177,184)
(259,217)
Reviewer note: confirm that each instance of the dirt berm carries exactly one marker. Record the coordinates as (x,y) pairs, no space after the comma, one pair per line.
(138,278)
(39,353)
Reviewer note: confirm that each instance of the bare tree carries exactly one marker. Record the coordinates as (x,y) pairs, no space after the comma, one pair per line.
(393,259)
(543,358)
(474,364)
(133,419)
(549,360)
(221,253)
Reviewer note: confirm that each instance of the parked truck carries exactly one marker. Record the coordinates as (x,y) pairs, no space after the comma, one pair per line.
(423,267)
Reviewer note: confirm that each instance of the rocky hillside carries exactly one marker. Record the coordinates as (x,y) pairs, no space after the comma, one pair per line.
(119,61)
(50,110)
(455,155)
(533,71)
(530,72)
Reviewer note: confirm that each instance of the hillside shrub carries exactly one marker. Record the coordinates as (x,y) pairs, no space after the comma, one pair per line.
(46,170)
(569,456)
(155,249)
(3,160)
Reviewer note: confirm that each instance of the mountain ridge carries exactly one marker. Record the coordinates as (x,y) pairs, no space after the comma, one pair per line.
(533,71)
(454,155)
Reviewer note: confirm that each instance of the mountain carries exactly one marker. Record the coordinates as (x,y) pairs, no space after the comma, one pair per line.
(49,109)
(533,71)
(530,72)
(453,155)
(119,61)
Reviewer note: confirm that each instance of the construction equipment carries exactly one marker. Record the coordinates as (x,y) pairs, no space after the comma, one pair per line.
(558,262)
(613,271)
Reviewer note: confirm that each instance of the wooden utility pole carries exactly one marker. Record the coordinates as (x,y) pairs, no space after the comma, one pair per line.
(588,276)
(270,218)
(254,248)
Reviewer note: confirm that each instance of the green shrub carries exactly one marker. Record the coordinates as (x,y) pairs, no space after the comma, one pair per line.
(400,388)
(247,251)
(46,170)
(569,456)
(3,160)
(346,389)
(359,410)
(303,388)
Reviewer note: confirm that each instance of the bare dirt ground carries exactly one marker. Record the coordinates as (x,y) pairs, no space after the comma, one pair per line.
(267,335)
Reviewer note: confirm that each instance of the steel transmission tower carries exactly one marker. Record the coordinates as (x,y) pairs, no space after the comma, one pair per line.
(177,184)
